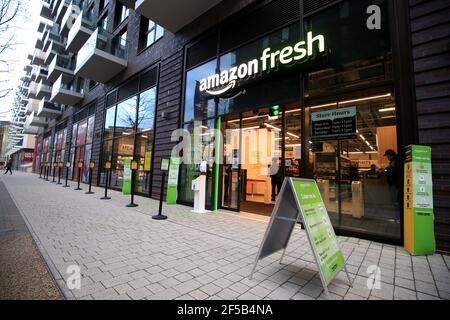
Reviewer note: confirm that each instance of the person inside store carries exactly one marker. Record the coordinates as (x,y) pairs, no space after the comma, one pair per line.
(393,176)
(373,172)
(276,177)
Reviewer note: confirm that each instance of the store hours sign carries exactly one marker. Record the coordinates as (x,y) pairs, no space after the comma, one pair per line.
(334,124)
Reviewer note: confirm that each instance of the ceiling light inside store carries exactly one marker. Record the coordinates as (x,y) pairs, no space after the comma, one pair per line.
(272,127)
(387,110)
(387,95)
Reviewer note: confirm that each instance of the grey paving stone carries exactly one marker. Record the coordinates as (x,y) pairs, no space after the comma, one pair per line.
(105,294)
(139,294)
(404,294)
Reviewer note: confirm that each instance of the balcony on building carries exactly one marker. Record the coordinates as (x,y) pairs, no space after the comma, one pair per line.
(102,57)
(34,121)
(60,65)
(44,89)
(173,14)
(32,106)
(62,10)
(48,109)
(72,13)
(82,29)
(56,47)
(38,57)
(39,43)
(24,98)
(52,36)
(34,72)
(33,90)
(55,7)
(68,90)
(42,73)
(46,11)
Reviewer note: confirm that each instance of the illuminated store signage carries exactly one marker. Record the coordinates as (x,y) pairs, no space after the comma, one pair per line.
(220,83)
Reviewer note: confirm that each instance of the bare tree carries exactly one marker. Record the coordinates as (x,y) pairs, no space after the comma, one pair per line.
(10,10)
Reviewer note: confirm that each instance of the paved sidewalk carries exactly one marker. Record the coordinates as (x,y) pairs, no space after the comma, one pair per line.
(124,254)
(23,271)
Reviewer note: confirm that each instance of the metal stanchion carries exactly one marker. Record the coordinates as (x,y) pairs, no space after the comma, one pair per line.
(60,165)
(91,169)
(133,174)
(46,171)
(80,172)
(108,172)
(54,172)
(164,168)
(67,174)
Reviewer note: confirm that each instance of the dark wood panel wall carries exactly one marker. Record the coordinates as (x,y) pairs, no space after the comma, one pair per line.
(430,28)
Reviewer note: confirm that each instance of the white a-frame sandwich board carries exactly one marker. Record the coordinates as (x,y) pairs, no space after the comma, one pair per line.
(300,201)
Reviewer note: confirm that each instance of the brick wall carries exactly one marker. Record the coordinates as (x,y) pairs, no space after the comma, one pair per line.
(430,27)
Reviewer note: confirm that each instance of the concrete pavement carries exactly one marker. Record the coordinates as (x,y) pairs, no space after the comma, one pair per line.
(124,254)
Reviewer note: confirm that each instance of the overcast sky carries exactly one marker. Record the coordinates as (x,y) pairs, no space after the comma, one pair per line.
(24,30)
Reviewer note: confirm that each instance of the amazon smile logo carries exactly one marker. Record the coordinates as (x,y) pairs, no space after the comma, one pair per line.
(222,82)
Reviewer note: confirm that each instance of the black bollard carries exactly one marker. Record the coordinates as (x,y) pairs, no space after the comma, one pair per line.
(80,171)
(108,170)
(59,173)
(54,173)
(46,172)
(160,216)
(133,173)
(91,167)
(67,175)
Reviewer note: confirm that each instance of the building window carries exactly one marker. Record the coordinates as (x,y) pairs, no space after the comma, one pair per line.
(129,135)
(103,22)
(122,13)
(102,5)
(81,144)
(149,33)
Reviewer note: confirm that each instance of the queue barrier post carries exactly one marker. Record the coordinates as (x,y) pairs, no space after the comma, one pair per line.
(108,172)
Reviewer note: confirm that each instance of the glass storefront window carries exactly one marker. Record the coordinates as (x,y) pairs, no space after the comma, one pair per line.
(106,156)
(90,130)
(197,105)
(359,184)
(190,171)
(126,117)
(147,106)
(363,55)
(109,123)
(144,151)
(123,150)
(293,142)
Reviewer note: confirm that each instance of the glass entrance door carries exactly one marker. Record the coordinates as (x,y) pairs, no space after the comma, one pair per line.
(231,169)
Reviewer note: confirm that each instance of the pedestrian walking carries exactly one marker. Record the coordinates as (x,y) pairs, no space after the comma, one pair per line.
(8,166)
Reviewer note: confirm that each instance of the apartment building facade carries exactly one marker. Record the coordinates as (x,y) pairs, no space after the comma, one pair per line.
(110,81)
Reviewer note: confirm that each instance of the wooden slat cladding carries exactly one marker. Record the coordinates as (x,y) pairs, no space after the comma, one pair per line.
(430,27)
(169,102)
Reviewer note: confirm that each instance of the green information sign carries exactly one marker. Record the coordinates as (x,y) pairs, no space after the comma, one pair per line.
(300,201)
(172,184)
(418,203)
(126,187)
(321,233)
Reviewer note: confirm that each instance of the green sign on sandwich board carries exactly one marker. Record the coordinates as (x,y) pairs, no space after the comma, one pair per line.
(300,201)
(323,239)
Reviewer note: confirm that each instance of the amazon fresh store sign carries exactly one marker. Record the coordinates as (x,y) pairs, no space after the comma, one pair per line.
(220,83)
